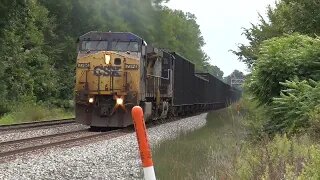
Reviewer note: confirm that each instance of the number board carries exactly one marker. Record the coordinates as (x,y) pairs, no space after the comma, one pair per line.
(83,65)
(131,66)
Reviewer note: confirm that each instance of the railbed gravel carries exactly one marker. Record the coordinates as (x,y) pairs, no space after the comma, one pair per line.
(116,158)
(56,129)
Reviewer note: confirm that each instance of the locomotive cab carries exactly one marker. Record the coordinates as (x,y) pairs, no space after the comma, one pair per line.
(109,75)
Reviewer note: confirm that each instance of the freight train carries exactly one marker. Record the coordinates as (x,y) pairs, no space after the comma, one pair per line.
(118,70)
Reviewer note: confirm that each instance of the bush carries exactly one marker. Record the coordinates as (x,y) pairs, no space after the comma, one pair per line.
(295,107)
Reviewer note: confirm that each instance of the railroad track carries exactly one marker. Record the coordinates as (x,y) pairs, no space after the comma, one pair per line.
(36,124)
(15,147)
(9,149)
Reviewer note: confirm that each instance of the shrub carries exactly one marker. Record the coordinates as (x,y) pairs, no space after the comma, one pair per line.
(295,107)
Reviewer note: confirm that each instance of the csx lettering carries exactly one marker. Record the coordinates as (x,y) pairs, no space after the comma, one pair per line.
(107,71)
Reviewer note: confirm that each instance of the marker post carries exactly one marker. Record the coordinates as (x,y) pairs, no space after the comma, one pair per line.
(144,148)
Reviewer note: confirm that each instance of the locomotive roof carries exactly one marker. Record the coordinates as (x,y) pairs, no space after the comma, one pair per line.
(98,36)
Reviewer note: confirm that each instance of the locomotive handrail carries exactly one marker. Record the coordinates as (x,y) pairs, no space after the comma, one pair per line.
(166,78)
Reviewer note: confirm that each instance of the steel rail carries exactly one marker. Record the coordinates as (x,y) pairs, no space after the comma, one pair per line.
(28,125)
(53,144)
(40,137)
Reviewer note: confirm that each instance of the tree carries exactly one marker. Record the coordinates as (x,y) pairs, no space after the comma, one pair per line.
(236,74)
(26,71)
(178,31)
(281,59)
(38,41)
(158,25)
(288,16)
(213,70)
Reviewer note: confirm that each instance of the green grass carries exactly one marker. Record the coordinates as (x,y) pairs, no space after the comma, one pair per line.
(32,112)
(207,153)
(233,146)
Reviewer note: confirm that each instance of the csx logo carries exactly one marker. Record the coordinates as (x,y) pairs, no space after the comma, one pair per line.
(107,71)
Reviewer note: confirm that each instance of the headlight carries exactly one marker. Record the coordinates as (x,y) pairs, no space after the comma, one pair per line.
(107,58)
(91,100)
(119,101)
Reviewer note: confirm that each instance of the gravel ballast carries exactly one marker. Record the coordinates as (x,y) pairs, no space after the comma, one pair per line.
(15,135)
(116,158)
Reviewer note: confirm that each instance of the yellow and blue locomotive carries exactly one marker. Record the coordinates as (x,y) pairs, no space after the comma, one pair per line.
(111,77)
(118,70)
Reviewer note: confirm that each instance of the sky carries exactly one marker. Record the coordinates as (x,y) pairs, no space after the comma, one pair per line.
(221,23)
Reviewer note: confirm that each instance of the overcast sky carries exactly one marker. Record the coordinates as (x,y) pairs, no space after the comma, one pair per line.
(220,23)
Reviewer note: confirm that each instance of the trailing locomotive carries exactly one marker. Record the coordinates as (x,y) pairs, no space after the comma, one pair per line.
(118,70)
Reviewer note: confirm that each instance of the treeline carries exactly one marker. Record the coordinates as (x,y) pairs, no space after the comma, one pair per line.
(283,93)
(38,42)
(284,57)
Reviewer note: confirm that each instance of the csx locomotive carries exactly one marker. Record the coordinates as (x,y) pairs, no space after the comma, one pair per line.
(118,70)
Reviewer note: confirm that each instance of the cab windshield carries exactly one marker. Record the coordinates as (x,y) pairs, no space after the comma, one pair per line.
(94,45)
(125,46)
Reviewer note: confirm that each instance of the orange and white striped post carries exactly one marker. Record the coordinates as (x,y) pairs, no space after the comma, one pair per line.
(145,152)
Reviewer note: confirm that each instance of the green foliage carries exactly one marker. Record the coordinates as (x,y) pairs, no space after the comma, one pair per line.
(226,149)
(282,59)
(292,111)
(275,81)
(256,35)
(159,25)
(26,69)
(178,32)
(38,41)
(30,111)
(288,16)
(213,70)
(277,53)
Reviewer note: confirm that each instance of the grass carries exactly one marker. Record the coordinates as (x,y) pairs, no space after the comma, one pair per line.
(233,146)
(32,112)
(208,153)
